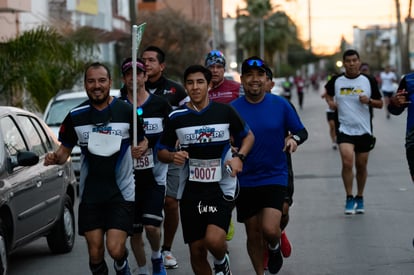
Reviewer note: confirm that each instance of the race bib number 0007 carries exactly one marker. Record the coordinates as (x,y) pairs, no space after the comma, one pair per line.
(205,170)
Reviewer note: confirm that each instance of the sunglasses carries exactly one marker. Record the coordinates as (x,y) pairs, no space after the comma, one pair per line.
(215,53)
(255,62)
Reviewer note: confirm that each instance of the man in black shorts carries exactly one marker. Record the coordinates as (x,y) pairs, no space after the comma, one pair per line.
(158,84)
(354,95)
(264,179)
(150,173)
(102,126)
(204,129)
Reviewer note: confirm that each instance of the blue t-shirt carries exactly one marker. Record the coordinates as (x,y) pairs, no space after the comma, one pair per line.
(269,120)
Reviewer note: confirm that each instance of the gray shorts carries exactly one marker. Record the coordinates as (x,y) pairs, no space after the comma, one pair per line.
(173,180)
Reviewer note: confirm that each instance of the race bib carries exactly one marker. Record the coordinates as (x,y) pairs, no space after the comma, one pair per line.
(145,161)
(104,145)
(205,170)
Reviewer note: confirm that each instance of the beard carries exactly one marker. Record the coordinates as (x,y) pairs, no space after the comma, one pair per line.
(98,100)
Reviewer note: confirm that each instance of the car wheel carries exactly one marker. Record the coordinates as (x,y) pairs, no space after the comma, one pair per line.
(62,237)
(3,250)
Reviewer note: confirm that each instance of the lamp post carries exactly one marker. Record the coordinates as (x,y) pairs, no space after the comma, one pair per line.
(213,25)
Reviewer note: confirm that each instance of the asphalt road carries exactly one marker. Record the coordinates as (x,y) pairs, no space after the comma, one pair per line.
(325,241)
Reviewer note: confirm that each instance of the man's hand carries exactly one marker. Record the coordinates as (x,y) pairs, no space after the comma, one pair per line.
(400,99)
(139,151)
(290,144)
(50,159)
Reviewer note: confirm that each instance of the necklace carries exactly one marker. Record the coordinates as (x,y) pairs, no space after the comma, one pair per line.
(195,108)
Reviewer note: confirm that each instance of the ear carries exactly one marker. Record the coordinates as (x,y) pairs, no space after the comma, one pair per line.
(163,66)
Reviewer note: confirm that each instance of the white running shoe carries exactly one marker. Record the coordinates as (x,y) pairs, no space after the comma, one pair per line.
(170,262)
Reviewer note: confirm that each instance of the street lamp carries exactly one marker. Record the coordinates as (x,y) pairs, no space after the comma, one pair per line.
(213,27)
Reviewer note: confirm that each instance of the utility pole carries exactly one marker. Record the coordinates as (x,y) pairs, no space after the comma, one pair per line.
(213,25)
(310,26)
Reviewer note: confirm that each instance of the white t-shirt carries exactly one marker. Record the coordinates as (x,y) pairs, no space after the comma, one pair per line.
(387,81)
(354,117)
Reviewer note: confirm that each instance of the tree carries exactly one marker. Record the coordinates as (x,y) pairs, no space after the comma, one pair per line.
(183,41)
(280,31)
(41,62)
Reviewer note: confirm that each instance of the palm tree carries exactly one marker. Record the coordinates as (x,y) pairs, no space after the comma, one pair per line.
(279,30)
(41,62)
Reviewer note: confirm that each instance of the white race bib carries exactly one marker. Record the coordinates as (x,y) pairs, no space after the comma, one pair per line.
(145,161)
(205,170)
(104,145)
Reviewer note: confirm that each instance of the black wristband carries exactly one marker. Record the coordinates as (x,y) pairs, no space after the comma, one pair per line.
(240,156)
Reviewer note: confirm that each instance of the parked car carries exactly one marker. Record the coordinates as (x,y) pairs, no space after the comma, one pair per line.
(35,200)
(57,109)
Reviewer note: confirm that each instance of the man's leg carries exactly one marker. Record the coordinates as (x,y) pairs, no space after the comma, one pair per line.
(347,157)
(116,245)
(198,256)
(271,233)
(172,218)
(361,161)
(96,251)
(137,246)
(255,242)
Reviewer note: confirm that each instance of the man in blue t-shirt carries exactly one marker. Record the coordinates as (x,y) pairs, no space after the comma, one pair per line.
(264,179)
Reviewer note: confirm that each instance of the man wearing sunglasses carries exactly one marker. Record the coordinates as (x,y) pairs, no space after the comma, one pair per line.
(264,178)
(222,90)
(150,173)
(157,83)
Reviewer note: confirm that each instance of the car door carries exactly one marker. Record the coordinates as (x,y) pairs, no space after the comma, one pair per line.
(48,180)
(27,198)
(20,184)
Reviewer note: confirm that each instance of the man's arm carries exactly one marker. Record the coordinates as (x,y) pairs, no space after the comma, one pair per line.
(236,162)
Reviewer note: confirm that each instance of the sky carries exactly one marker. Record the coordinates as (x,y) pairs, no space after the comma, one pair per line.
(332,19)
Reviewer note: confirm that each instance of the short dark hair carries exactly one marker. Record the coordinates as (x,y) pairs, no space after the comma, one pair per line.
(349,53)
(160,53)
(96,65)
(198,69)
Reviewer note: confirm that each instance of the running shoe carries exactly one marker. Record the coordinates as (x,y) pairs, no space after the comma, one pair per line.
(124,270)
(359,201)
(170,262)
(350,206)
(224,268)
(275,261)
(230,232)
(285,245)
(158,267)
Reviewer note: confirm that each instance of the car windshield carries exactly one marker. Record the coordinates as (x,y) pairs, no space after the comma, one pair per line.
(59,109)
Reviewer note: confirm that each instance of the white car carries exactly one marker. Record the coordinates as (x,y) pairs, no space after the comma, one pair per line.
(56,111)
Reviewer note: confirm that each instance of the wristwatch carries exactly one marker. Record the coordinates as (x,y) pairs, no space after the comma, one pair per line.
(296,138)
(240,156)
